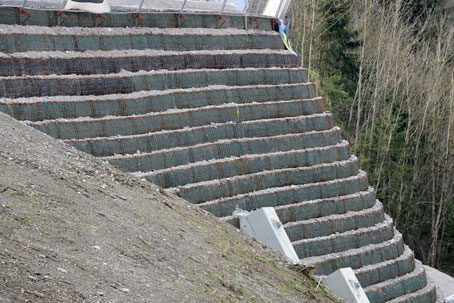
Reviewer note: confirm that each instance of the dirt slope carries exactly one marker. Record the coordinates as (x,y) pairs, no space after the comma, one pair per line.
(75,229)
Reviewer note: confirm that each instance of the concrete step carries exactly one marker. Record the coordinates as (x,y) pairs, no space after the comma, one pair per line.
(428,294)
(170,122)
(357,257)
(138,103)
(386,270)
(161,159)
(187,136)
(339,242)
(237,185)
(128,82)
(17,38)
(399,286)
(272,197)
(319,208)
(123,17)
(246,164)
(336,223)
(106,62)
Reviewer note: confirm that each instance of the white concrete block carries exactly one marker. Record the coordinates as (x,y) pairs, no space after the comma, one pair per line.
(444,283)
(344,283)
(92,7)
(265,226)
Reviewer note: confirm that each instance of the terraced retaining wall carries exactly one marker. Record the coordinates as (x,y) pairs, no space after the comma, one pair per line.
(223,117)
(51,18)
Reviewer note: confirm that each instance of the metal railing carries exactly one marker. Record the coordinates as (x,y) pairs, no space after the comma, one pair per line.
(268,8)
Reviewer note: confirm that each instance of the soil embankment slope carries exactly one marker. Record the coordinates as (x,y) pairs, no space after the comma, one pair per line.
(75,229)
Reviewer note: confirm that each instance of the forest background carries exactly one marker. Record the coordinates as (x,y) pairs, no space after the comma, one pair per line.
(385,69)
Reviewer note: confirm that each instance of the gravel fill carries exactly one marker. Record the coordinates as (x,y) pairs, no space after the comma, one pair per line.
(6,29)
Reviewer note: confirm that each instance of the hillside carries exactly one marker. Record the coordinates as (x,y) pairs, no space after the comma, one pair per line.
(73,228)
(391,91)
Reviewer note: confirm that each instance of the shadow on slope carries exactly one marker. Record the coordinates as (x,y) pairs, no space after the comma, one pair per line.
(73,228)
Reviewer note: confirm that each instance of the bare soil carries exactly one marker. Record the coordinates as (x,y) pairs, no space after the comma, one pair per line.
(75,229)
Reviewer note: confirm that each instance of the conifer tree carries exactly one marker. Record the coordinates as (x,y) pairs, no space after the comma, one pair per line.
(335,57)
(338,43)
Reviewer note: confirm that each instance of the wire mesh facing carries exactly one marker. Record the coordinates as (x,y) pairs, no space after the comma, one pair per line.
(270,8)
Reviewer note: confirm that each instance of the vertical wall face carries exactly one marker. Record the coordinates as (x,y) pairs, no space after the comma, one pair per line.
(276,8)
(224,118)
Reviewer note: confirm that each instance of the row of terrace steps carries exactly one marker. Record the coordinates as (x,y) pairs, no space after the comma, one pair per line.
(224,118)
